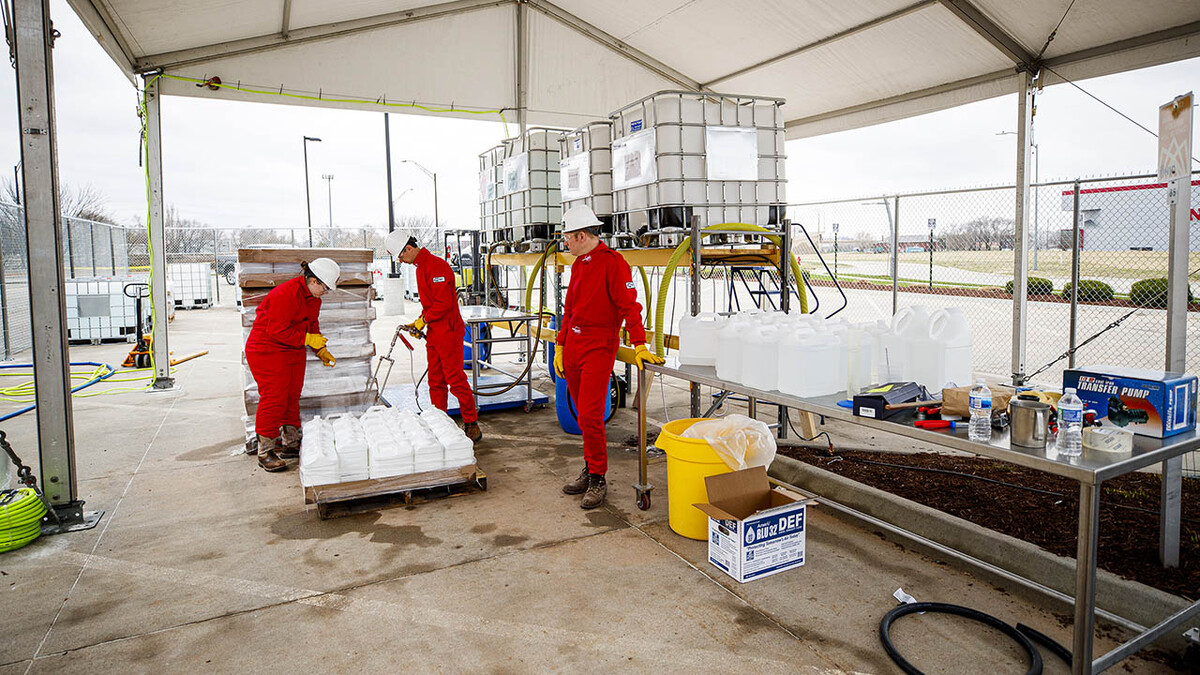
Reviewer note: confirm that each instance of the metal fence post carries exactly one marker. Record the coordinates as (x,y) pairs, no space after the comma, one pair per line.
(1075,256)
(4,299)
(92,247)
(895,262)
(694,287)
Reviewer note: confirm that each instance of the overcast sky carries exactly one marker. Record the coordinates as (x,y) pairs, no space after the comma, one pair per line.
(233,164)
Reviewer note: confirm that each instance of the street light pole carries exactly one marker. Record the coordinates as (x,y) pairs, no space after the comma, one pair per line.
(387,150)
(437,233)
(328,177)
(307,197)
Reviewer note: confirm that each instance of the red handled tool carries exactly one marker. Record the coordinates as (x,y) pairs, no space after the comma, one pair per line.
(936,424)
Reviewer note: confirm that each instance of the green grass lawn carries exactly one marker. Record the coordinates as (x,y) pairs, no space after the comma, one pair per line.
(1055,263)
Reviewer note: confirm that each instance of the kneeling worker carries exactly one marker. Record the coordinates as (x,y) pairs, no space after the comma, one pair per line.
(285,322)
(600,297)
(443,326)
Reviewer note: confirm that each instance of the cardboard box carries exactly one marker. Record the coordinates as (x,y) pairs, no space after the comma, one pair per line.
(1147,402)
(754,531)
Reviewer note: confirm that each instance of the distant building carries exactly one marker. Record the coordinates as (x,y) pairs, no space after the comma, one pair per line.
(1124,217)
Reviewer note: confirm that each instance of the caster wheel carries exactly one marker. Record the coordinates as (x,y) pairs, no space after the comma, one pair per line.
(528,407)
(643,501)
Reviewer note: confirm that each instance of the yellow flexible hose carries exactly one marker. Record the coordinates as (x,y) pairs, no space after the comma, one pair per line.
(646,284)
(551,248)
(685,247)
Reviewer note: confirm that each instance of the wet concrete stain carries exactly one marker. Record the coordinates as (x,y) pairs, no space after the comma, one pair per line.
(602,519)
(749,618)
(484,529)
(299,526)
(211,452)
(509,540)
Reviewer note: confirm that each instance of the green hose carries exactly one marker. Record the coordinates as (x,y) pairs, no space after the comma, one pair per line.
(551,248)
(685,247)
(21,512)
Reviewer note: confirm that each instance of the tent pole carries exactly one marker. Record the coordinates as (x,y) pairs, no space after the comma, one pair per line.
(1025,100)
(158,256)
(522,79)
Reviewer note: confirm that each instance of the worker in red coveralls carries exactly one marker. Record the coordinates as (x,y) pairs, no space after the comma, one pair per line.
(443,327)
(600,297)
(284,324)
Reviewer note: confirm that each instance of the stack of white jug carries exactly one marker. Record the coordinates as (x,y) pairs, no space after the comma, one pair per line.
(805,355)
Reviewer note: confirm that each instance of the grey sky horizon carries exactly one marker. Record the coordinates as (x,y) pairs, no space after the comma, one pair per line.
(232,164)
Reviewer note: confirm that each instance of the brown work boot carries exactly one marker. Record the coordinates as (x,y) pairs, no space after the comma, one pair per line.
(267,458)
(289,442)
(471,429)
(577,486)
(597,490)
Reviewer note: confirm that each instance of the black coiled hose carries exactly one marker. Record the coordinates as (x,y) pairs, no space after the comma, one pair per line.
(1035,657)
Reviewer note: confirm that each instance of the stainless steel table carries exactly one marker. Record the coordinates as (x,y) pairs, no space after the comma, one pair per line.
(476,316)
(1090,469)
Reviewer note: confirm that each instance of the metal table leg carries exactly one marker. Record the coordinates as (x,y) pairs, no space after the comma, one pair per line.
(1168,517)
(1085,578)
(642,487)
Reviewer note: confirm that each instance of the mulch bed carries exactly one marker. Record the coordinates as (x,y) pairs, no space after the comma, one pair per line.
(982,292)
(1128,507)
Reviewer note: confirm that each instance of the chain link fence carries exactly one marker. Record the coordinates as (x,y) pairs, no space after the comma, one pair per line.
(102,250)
(955,249)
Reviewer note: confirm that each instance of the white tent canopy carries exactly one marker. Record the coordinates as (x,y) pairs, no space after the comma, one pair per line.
(840,65)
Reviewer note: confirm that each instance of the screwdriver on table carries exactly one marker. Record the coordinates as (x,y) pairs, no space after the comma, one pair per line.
(936,424)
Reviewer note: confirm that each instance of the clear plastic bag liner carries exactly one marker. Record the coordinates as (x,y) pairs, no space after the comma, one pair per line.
(738,440)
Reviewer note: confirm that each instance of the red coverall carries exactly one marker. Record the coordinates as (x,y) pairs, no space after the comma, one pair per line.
(444,331)
(275,353)
(600,297)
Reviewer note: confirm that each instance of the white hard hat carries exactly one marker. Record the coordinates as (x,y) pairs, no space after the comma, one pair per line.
(326,270)
(396,241)
(579,218)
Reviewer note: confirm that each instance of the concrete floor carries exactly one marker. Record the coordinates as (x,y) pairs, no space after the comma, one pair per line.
(204,563)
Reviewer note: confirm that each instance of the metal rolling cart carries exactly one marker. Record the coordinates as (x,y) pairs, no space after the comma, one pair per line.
(1090,469)
(520,326)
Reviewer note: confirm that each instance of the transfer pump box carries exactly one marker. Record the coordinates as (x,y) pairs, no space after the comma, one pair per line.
(1146,402)
(754,531)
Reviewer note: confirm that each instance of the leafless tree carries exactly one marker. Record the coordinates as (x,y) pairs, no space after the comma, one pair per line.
(85,202)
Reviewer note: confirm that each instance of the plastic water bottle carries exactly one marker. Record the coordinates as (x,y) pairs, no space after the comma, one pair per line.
(981,413)
(1070,425)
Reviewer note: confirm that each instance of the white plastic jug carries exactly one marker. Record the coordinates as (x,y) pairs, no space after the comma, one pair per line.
(809,364)
(760,358)
(729,347)
(911,325)
(950,333)
(879,332)
(841,330)
(860,357)
(698,339)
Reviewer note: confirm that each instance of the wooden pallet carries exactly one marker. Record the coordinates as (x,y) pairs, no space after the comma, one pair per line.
(343,499)
(295,255)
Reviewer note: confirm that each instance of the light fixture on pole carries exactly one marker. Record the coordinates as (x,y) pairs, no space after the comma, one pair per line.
(328,178)
(437,233)
(307,198)
(1037,159)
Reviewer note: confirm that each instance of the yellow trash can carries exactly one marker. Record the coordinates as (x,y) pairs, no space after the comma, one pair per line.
(689,462)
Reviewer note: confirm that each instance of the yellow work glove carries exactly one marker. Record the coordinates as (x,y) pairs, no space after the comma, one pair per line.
(327,359)
(559,368)
(419,324)
(643,356)
(314,340)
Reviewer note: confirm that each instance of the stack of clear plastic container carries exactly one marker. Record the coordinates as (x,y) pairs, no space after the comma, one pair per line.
(428,453)
(390,452)
(318,457)
(351,445)
(459,450)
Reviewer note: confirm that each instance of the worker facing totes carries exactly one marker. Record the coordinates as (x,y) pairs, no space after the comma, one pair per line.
(284,324)
(443,327)
(600,297)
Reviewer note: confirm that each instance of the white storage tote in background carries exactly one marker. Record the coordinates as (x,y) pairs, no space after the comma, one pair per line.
(585,168)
